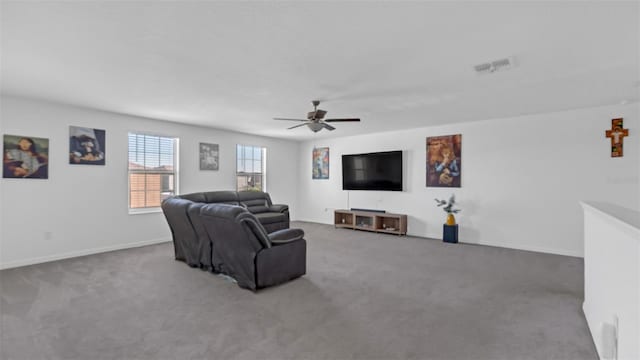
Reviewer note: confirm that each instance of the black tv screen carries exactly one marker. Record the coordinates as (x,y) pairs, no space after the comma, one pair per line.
(373,171)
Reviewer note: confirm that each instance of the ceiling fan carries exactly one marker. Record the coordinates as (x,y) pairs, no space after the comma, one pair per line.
(315,119)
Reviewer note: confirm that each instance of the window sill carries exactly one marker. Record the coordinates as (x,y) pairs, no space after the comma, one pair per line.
(144,211)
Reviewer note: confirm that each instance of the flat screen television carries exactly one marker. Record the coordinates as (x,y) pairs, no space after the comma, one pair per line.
(373,171)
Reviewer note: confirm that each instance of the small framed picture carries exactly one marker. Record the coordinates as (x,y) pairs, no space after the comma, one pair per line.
(86,146)
(209,156)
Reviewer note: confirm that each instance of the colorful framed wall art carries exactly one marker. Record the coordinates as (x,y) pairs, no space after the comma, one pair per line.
(320,163)
(444,161)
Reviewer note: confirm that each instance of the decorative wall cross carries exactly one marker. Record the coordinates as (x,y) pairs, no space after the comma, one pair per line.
(617,134)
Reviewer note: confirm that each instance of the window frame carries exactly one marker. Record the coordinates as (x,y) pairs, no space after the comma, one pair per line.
(175,172)
(263,170)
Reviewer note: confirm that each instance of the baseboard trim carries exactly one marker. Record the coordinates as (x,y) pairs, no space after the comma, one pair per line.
(554,251)
(589,327)
(538,249)
(73,254)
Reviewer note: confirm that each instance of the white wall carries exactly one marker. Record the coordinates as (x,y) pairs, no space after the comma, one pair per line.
(612,279)
(522,178)
(83,209)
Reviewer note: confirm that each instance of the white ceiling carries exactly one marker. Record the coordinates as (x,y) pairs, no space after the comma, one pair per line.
(235,65)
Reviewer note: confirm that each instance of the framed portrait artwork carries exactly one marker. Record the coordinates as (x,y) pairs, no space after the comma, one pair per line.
(86,146)
(25,157)
(444,161)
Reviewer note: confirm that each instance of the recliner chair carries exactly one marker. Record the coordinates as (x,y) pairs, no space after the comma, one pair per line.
(272,217)
(244,250)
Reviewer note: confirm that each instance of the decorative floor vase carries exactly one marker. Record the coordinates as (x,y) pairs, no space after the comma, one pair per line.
(451,220)
(450,233)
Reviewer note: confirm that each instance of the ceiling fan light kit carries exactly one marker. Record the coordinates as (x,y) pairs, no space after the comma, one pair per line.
(315,127)
(315,119)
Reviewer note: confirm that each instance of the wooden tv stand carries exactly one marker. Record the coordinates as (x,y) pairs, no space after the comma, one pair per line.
(371,221)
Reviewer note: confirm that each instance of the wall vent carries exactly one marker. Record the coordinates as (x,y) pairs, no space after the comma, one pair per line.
(496,65)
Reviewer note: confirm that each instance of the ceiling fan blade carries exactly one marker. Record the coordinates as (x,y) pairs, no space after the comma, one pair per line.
(295,126)
(341,120)
(289,119)
(328,127)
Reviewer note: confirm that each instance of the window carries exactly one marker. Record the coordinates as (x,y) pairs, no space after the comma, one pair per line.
(153,171)
(251,168)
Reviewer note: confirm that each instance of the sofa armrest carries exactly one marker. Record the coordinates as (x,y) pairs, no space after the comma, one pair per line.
(279,208)
(281,263)
(285,236)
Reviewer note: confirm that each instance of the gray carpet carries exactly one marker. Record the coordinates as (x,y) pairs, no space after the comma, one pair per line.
(366,296)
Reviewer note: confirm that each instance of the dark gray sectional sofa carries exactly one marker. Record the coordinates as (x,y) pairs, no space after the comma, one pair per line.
(210,228)
(272,217)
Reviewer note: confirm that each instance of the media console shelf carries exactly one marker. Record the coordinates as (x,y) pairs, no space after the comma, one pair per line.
(371,221)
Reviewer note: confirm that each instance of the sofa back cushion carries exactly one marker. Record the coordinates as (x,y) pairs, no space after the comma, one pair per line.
(221,197)
(195,197)
(255,201)
(203,244)
(185,238)
(256,206)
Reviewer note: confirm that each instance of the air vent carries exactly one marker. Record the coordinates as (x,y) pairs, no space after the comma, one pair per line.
(496,65)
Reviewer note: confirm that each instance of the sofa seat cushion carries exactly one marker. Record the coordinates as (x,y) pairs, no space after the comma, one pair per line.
(270,218)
